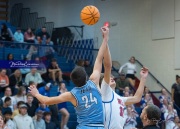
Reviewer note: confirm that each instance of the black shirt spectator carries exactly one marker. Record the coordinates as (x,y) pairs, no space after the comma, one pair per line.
(6,33)
(49,123)
(31,107)
(43,34)
(88,67)
(15,81)
(7,103)
(176,91)
(151,127)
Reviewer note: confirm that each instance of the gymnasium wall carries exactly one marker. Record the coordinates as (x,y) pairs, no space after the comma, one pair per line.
(138,30)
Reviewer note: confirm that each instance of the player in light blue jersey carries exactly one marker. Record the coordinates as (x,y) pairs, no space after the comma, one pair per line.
(85,96)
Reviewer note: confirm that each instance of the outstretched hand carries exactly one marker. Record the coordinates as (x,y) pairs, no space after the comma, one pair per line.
(105,32)
(144,72)
(33,90)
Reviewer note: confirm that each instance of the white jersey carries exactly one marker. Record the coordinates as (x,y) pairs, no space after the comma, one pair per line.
(169,118)
(113,106)
(130,122)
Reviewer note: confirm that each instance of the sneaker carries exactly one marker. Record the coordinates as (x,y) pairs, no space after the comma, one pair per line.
(65,127)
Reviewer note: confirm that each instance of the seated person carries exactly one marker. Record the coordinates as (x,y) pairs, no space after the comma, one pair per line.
(21,95)
(42,68)
(6,33)
(15,81)
(18,36)
(29,36)
(45,90)
(35,77)
(121,83)
(164,95)
(38,120)
(54,71)
(44,35)
(4,80)
(48,122)
(5,107)
(147,100)
(43,107)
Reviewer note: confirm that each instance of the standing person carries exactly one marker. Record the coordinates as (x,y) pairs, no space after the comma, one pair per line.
(131,70)
(62,107)
(113,103)
(175,91)
(85,96)
(22,120)
(150,117)
(31,107)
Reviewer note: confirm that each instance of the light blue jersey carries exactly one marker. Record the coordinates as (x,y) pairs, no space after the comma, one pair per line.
(89,108)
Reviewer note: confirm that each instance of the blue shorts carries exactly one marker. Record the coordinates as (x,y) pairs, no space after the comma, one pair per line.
(88,127)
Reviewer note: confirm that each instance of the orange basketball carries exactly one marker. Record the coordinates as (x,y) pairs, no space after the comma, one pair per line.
(90,15)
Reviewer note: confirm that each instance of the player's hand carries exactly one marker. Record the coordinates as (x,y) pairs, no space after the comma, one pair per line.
(33,90)
(105,32)
(144,72)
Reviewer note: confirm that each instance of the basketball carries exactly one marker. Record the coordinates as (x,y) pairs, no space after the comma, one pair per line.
(90,15)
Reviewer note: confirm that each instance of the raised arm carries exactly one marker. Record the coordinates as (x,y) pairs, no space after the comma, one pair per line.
(64,97)
(95,76)
(138,95)
(107,65)
(121,68)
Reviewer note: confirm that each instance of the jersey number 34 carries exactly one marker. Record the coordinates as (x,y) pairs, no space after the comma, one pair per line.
(89,101)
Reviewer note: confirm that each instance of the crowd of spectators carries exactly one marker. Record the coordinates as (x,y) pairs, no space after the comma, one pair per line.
(168,104)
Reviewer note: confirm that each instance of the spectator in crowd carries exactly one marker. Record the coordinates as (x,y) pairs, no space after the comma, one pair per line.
(131,70)
(15,80)
(62,107)
(42,68)
(22,120)
(4,80)
(80,63)
(10,57)
(38,121)
(8,93)
(7,103)
(126,94)
(35,101)
(44,35)
(121,83)
(54,114)
(175,91)
(16,111)
(176,122)
(169,117)
(35,77)
(130,118)
(45,90)
(150,117)
(18,36)
(33,50)
(55,71)
(88,67)
(43,107)
(147,100)
(48,122)
(29,36)
(7,119)
(146,91)
(6,33)
(164,107)
(21,95)
(31,107)
(164,95)
(2,123)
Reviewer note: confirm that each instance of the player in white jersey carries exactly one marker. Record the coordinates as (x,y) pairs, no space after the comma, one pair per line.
(113,103)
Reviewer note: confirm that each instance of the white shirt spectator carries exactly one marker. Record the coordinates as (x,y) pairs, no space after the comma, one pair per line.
(131,68)
(13,102)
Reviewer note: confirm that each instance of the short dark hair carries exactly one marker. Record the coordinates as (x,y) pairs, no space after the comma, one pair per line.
(47,113)
(7,112)
(153,113)
(53,60)
(78,76)
(7,99)
(20,102)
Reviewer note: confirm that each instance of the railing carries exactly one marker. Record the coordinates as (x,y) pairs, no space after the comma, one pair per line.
(155,85)
(72,51)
